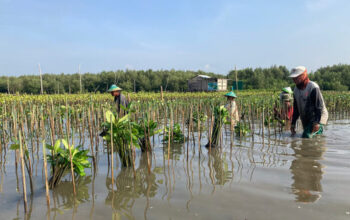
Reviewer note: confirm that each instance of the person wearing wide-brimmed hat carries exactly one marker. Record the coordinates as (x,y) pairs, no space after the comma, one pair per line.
(119,98)
(231,106)
(285,112)
(308,104)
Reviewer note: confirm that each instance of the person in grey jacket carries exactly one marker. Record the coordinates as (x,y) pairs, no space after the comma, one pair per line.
(308,104)
(119,98)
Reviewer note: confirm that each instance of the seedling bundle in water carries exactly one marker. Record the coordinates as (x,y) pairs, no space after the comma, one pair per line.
(220,114)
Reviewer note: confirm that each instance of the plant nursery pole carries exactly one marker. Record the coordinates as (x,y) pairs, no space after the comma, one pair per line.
(45,161)
(23,174)
(112,160)
(70,150)
(81,86)
(41,81)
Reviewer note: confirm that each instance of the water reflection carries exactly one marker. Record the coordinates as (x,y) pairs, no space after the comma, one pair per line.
(129,188)
(218,161)
(175,151)
(62,194)
(307,170)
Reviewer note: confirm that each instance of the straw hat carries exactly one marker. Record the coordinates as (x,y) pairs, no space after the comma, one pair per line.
(231,94)
(114,88)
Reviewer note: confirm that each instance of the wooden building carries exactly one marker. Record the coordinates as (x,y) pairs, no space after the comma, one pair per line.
(206,83)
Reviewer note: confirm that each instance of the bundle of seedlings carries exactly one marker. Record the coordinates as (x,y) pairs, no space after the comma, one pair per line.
(177,135)
(220,118)
(60,161)
(122,134)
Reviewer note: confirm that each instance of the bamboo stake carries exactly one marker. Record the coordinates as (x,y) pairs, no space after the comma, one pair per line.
(23,173)
(45,162)
(70,150)
(112,160)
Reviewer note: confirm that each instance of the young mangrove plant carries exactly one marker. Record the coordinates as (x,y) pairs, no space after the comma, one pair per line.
(146,129)
(177,137)
(198,118)
(125,135)
(241,129)
(59,159)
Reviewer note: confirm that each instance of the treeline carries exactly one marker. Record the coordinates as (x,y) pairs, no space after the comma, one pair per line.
(335,77)
(129,80)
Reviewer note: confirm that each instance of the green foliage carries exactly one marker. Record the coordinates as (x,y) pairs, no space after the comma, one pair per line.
(146,129)
(125,135)
(177,135)
(60,161)
(220,114)
(336,77)
(202,118)
(242,129)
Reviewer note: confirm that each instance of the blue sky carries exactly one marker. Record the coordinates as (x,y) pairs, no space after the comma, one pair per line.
(184,34)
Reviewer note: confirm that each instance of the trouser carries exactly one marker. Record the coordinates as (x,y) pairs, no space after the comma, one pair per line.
(308,131)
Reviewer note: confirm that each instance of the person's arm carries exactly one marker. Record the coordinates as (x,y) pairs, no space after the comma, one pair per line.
(295,117)
(296,113)
(317,105)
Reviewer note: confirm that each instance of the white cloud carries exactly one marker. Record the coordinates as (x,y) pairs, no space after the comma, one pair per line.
(207,66)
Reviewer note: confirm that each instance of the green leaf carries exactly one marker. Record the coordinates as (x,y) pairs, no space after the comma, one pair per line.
(110,117)
(14,147)
(65,143)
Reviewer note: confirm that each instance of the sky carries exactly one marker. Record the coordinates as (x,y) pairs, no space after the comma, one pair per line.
(208,35)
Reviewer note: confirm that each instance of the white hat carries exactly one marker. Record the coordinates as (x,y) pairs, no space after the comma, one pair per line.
(297,71)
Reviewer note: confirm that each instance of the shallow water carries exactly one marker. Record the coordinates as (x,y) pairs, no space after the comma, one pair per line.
(271,178)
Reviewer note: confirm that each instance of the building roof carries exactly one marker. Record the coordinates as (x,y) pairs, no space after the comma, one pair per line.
(204,76)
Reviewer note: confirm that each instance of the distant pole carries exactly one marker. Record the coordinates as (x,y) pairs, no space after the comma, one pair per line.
(236,78)
(41,80)
(81,87)
(8,85)
(134,86)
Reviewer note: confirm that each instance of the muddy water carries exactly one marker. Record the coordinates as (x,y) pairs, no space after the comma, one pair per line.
(271,178)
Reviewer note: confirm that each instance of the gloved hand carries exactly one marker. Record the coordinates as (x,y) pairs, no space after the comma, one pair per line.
(315,128)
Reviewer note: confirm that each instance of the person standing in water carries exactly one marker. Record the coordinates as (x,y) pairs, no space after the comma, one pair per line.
(119,99)
(284,113)
(231,106)
(308,104)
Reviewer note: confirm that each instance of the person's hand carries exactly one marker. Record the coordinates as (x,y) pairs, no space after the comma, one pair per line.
(292,130)
(315,128)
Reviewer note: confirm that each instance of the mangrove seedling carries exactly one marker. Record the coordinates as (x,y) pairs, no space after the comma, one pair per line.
(146,129)
(125,135)
(242,129)
(59,159)
(178,136)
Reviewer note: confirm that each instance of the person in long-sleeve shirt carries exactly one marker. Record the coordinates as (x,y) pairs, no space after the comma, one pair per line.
(119,99)
(308,104)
